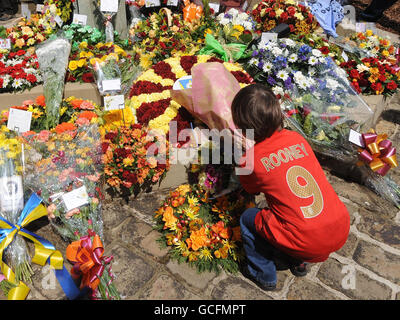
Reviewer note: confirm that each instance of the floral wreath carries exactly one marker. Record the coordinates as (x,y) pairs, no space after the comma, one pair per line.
(203,232)
(150,94)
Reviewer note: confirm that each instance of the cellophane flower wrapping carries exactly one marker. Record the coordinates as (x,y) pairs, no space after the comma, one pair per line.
(66,171)
(109,27)
(12,201)
(106,70)
(53,55)
(208,103)
(325,114)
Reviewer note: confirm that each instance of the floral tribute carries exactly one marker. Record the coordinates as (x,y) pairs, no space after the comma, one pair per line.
(150,93)
(19,71)
(28,33)
(201,231)
(372,76)
(61,8)
(322,44)
(375,46)
(126,164)
(72,110)
(66,174)
(81,58)
(161,36)
(269,13)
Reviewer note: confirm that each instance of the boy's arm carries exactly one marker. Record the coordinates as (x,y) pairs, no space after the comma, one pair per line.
(249,183)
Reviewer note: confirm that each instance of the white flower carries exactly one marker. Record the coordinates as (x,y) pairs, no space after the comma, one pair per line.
(313,60)
(298,76)
(303,84)
(253,61)
(17,83)
(248,25)
(362,68)
(267,67)
(7,79)
(292,57)
(276,51)
(224,21)
(283,75)
(311,72)
(233,12)
(290,42)
(332,84)
(316,52)
(278,90)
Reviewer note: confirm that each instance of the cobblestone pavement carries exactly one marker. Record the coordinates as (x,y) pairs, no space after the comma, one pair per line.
(366,267)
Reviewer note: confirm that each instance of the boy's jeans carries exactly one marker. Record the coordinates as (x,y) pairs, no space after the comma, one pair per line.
(258,251)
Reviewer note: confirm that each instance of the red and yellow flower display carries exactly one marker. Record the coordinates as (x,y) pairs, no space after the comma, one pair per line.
(269,13)
(203,232)
(150,94)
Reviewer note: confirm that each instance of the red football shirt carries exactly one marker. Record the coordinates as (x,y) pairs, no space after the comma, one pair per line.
(305,219)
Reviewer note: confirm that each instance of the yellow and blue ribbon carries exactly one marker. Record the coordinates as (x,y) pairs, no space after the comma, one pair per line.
(45,252)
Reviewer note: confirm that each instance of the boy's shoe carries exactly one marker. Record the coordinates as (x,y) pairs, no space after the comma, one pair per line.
(299,270)
(263,286)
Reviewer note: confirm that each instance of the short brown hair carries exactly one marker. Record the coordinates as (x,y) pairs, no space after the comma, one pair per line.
(256,107)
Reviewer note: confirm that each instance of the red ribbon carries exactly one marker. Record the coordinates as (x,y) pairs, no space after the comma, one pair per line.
(89,262)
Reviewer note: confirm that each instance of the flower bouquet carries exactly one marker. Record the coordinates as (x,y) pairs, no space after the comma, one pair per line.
(58,8)
(107,71)
(12,203)
(107,17)
(321,43)
(270,13)
(28,33)
(372,76)
(18,71)
(202,232)
(372,45)
(128,167)
(234,34)
(66,170)
(134,11)
(72,110)
(284,63)
(53,61)
(161,36)
(79,67)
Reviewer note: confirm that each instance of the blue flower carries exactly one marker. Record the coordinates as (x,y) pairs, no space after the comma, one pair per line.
(305,49)
(255,53)
(271,80)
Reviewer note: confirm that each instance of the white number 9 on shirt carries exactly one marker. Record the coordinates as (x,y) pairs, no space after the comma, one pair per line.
(304,191)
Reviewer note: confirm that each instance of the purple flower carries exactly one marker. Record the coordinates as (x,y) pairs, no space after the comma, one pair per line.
(271,80)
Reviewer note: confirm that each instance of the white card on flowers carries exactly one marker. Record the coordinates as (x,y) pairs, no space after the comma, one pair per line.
(356,138)
(25,12)
(214,6)
(39,8)
(76,198)
(111,85)
(109,5)
(80,19)
(269,36)
(172,3)
(58,20)
(5,44)
(152,3)
(19,120)
(114,102)
(245,6)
